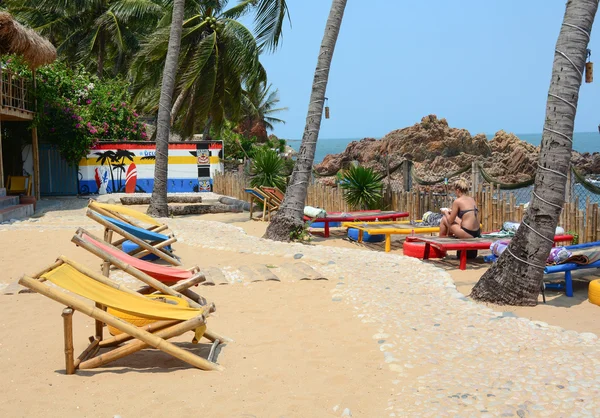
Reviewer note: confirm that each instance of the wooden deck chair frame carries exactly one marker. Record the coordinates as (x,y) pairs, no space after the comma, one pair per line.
(152,285)
(156,248)
(268,206)
(153,335)
(92,204)
(272,193)
(26,191)
(278,193)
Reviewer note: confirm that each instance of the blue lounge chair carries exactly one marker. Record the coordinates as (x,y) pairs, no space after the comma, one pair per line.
(146,242)
(567,268)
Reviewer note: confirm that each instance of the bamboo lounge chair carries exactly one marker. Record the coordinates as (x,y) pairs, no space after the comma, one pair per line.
(274,193)
(128,215)
(148,242)
(267,203)
(166,280)
(171,320)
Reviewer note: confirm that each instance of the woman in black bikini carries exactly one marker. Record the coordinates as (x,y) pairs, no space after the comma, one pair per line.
(462,221)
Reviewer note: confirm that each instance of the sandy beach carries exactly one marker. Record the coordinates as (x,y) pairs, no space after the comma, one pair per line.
(385,335)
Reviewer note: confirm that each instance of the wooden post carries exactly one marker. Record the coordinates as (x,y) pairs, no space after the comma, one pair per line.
(35,150)
(67,315)
(406,175)
(1,164)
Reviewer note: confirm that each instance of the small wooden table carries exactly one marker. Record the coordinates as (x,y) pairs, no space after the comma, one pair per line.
(388,229)
(463,245)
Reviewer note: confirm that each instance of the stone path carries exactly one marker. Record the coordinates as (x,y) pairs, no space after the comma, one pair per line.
(451,356)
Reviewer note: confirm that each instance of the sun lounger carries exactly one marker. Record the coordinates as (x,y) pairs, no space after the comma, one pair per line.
(585,256)
(267,202)
(127,215)
(363,216)
(274,193)
(157,277)
(171,320)
(464,245)
(147,241)
(388,229)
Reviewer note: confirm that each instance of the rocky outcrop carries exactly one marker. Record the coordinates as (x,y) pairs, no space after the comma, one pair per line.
(438,150)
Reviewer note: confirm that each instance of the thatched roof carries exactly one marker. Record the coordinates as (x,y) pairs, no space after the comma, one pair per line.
(19,40)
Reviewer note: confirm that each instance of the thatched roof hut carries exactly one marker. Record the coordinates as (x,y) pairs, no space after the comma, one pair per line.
(17,39)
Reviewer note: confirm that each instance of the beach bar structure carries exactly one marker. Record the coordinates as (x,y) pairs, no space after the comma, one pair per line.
(17,103)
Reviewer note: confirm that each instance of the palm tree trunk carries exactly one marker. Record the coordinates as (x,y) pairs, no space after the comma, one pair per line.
(101,53)
(158,202)
(177,105)
(516,278)
(289,217)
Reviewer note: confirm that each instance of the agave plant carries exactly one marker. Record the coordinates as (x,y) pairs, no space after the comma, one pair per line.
(268,169)
(363,188)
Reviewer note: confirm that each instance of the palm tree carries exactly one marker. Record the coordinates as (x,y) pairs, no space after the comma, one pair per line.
(158,202)
(258,110)
(289,216)
(219,55)
(100,34)
(107,157)
(517,277)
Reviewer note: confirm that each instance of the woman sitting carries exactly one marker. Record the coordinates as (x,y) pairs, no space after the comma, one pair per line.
(462,221)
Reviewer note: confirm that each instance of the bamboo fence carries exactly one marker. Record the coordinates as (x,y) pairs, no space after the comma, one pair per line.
(495,206)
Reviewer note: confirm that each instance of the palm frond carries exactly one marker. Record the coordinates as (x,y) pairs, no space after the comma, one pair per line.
(269,19)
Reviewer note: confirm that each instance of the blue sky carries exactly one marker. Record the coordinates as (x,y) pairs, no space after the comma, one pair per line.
(483,65)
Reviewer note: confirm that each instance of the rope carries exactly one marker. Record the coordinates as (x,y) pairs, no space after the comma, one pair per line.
(559,133)
(569,59)
(552,171)
(524,261)
(545,201)
(540,235)
(563,100)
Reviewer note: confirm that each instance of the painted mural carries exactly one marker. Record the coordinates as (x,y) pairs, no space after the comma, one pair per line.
(119,167)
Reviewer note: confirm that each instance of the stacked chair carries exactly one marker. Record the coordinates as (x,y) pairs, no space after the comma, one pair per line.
(162,308)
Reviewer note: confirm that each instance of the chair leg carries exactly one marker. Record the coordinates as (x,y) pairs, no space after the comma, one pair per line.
(67,315)
(568,284)
(167,347)
(544,292)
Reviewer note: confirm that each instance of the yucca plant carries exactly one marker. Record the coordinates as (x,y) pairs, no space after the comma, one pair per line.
(268,169)
(363,188)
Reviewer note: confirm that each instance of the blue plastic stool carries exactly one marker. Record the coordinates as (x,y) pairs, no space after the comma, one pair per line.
(353,235)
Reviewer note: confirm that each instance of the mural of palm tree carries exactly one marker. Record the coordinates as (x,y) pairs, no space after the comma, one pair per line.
(104,158)
(121,155)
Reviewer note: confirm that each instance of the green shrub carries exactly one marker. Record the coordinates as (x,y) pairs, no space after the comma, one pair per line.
(363,188)
(267,169)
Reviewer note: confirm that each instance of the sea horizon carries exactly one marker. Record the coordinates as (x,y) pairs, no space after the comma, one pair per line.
(582,142)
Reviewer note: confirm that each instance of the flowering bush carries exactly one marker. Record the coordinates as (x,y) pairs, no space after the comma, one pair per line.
(76,110)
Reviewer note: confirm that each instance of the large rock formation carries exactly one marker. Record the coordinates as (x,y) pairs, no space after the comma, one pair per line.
(438,150)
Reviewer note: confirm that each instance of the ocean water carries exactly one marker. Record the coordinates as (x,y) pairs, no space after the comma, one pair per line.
(583,142)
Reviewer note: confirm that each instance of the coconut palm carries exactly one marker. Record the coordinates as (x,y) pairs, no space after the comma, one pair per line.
(158,201)
(258,111)
(288,220)
(103,35)
(219,56)
(516,278)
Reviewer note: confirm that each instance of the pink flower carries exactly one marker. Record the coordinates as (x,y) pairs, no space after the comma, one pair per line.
(114,109)
(144,135)
(88,101)
(78,126)
(135,114)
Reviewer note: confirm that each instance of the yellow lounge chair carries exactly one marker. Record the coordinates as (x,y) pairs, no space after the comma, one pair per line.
(170,320)
(125,214)
(17,185)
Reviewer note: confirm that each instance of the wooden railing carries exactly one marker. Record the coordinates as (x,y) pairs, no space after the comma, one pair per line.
(15,92)
(495,206)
